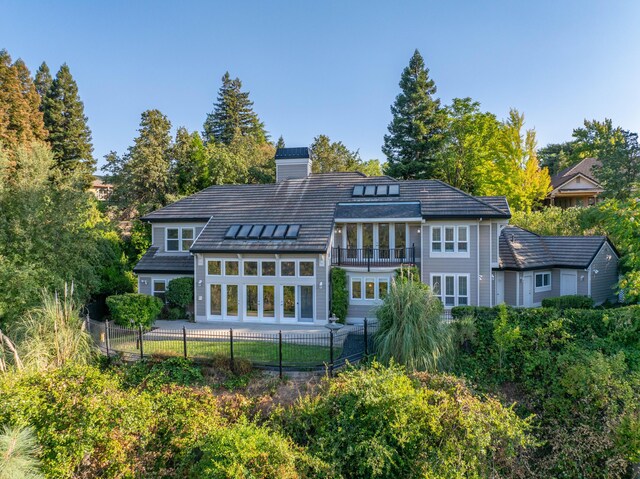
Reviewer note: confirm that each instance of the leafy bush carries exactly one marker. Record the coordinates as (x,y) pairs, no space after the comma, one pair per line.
(180,292)
(18,454)
(155,373)
(133,308)
(173,314)
(339,294)
(410,328)
(568,302)
(378,422)
(408,273)
(248,450)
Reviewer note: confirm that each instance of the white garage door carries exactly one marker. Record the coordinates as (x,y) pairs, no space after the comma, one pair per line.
(568,283)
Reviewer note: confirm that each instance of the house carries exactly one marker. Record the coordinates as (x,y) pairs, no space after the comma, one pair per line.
(575,186)
(533,267)
(263,253)
(100,189)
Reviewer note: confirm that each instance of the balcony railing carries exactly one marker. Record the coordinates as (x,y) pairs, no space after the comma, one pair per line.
(373,257)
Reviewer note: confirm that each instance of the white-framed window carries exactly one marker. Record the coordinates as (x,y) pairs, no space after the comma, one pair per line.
(452,289)
(369,289)
(250,268)
(160,289)
(287,268)
(231,268)
(268,268)
(449,240)
(214,267)
(179,238)
(543,281)
(306,268)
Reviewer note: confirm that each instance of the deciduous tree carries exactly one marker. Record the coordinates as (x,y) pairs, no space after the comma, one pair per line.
(189,165)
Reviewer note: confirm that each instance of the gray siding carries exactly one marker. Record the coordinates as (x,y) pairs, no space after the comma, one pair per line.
(285,172)
(356,312)
(414,239)
(603,283)
(494,242)
(159,239)
(454,265)
(583,282)
(144,288)
(485,265)
(555,286)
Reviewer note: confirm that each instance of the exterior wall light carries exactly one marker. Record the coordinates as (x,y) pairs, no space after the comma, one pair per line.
(199,282)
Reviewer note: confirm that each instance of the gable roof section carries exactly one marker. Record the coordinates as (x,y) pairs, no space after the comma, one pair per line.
(585,168)
(523,250)
(311,202)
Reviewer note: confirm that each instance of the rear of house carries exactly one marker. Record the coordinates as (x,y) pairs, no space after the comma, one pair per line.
(263,253)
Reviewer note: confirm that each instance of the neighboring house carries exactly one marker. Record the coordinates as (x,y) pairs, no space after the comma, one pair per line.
(100,189)
(575,186)
(263,253)
(533,267)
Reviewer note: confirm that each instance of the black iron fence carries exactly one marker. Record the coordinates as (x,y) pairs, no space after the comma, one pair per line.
(373,257)
(282,350)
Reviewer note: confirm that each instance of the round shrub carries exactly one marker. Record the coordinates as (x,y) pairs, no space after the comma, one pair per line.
(180,292)
(379,422)
(134,309)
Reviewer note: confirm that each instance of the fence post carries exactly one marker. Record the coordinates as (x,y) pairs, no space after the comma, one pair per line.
(184,341)
(106,333)
(331,353)
(140,339)
(231,348)
(366,338)
(280,352)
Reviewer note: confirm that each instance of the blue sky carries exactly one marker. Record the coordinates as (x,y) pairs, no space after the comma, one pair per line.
(333,67)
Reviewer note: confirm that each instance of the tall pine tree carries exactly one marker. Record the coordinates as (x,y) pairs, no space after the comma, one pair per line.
(20,118)
(69,134)
(233,115)
(43,81)
(416,130)
(189,169)
(141,178)
(280,142)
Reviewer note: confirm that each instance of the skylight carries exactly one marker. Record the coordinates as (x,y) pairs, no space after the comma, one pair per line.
(376,190)
(262,232)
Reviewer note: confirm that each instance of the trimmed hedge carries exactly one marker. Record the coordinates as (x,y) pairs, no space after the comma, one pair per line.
(339,294)
(568,302)
(134,308)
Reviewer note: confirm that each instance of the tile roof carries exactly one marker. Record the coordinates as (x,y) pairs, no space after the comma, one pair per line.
(310,202)
(521,250)
(396,209)
(153,263)
(585,167)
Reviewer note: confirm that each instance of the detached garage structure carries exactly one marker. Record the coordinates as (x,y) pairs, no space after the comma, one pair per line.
(534,267)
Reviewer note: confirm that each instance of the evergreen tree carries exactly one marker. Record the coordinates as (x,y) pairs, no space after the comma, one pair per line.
(69,134)
(20,120)
(558,156)
(43,81)
(233,115)
(142,177)
(416,130)
(189,163)
(280,143)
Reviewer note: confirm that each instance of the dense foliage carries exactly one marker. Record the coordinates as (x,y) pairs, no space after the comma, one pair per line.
(180,294)
(377,422)
(18,454)
(578,370)
(568,302)
(133,309)
(339,294)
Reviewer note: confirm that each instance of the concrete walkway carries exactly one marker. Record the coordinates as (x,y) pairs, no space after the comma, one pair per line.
(245,327)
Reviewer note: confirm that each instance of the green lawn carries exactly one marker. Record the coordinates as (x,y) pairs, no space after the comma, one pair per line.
(254,351)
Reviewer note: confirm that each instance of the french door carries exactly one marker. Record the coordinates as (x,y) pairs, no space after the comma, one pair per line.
(223,301)
(260,302)
(296,303)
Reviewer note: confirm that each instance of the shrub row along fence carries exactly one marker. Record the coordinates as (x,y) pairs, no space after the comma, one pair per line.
(282,350)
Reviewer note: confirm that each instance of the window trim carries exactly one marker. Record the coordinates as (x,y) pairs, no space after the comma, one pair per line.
(456,253)
(222,266)
(299,271)
(179,239)
(153,288)
(540,289)
(456,286)
(351,280)
(363,287)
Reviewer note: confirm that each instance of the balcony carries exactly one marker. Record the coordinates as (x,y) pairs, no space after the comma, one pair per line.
(373,257)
